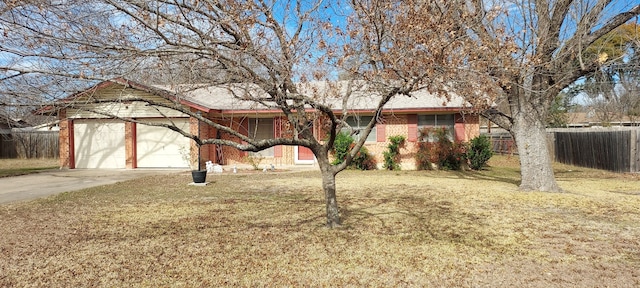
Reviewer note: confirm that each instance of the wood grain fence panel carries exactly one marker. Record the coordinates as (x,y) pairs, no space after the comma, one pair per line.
(608,150)
(613,149)
(29,144)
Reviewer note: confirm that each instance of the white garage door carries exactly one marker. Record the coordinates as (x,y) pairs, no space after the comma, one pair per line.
(160,147)
(99,143)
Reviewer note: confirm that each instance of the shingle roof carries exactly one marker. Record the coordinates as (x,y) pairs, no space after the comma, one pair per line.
(230,97)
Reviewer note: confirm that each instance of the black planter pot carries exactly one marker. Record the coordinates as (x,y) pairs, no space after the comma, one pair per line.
(199,176)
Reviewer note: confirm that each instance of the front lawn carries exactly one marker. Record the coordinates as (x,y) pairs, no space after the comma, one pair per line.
(406,228)
(16,167)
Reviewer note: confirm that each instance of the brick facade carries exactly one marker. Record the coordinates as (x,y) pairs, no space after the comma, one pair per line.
(130,145)
(65,140)
(405,125)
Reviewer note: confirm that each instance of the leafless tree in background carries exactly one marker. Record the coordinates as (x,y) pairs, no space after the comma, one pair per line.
(612,90)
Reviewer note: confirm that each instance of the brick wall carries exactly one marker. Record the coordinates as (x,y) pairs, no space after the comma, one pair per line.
(392,125)
(66,132)
(130,145)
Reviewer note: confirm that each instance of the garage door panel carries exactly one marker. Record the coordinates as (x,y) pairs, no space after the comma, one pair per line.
(99,144)
(159,147)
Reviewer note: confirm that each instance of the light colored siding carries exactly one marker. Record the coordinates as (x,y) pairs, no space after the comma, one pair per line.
(121,106)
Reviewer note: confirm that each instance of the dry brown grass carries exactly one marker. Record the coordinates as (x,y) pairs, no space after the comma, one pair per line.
(403,228)
(16,167)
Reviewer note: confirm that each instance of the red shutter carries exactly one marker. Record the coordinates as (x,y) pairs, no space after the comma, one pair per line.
(277,131)
(459,128)
(412,127)
(381,132)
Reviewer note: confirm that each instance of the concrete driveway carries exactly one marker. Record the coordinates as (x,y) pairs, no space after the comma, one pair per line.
(51,182)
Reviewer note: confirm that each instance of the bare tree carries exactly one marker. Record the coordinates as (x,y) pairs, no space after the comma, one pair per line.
(270,53)
(630,95)
(611,88)
(548,42)
(615,99)
(603,98)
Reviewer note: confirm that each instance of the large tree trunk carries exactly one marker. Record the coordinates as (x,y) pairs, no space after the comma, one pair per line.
(535,161)
(329,187)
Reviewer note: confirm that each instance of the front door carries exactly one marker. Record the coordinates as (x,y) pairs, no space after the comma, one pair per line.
(303,155)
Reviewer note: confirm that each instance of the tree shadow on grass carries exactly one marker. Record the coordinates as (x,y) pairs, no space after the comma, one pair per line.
(418,219)
(487,175)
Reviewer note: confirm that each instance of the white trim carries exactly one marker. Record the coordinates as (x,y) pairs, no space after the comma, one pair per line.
(296,161)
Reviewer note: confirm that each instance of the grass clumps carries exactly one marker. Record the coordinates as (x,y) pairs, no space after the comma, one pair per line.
(414,228)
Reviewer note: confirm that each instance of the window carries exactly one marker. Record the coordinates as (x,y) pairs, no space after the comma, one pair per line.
(359,123)
(260,129)
(433,121)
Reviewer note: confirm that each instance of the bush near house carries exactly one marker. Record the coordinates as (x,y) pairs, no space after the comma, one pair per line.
(341,147)
(363,160)
(440,154)
(343,144)
(392,155)
(254,160)
(479,152)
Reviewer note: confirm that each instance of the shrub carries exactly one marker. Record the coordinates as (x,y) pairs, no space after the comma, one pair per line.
(362,160)
(423,156)
(456,156)
(254,159)
(341,147)
(479,152)
(443,153)
(392,155)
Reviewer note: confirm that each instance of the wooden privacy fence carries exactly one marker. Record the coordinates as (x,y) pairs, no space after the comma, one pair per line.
(29,144)
(502,143)
(615,148)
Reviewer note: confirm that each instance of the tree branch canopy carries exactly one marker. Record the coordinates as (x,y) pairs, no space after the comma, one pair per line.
(550,44)
(508,60)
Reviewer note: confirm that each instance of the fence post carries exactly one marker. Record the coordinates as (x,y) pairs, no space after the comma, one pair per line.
(634,158)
